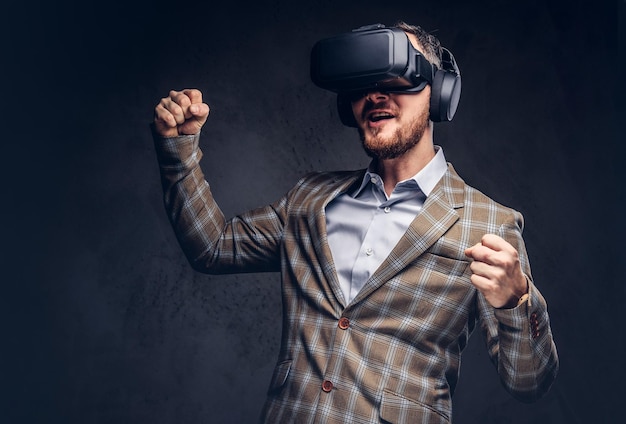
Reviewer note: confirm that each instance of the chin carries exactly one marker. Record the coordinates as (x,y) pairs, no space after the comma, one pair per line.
(387,143)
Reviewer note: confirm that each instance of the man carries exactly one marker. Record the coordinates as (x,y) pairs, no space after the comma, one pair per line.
(386,271)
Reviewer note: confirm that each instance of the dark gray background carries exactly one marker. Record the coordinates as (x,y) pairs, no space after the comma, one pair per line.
(103,321)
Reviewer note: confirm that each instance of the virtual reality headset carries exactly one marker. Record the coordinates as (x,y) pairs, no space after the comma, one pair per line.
(367,58)
(375,57)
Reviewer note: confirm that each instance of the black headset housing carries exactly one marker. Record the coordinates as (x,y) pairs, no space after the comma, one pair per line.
(375,57)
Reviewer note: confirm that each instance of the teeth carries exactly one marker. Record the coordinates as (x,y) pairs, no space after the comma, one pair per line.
(380,115)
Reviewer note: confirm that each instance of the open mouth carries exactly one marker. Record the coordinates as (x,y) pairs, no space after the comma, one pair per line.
(379,116)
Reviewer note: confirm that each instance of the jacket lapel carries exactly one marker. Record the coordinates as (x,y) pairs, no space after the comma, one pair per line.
(437,215)
(340,184)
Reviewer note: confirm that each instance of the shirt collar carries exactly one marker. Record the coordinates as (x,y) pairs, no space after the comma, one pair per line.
(426,179)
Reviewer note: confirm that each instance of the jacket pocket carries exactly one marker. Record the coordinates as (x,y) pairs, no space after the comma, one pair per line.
(281,372)
(445,265)
(399,409)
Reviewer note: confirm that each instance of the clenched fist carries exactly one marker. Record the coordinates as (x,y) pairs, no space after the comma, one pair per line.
(181,113)
(496,271)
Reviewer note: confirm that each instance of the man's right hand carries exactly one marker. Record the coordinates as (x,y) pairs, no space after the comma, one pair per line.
(181,113)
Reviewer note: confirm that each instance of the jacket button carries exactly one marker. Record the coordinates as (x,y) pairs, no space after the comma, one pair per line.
(344,323)
(327,386)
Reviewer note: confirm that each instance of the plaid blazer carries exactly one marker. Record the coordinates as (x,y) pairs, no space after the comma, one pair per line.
(393,353)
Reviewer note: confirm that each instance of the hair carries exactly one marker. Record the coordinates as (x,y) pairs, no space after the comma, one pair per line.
(429,45)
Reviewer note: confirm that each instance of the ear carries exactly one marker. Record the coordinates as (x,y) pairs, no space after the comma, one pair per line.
(344,107)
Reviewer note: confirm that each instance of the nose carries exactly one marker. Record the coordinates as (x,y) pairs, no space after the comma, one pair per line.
(377,96)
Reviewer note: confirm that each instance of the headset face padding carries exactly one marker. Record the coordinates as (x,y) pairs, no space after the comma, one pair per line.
(344,107)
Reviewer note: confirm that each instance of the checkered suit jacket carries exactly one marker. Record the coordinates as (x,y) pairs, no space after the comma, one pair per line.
(392,354)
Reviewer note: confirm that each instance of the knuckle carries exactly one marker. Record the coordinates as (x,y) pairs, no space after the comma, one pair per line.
(160,113)
(184,100)
(500,274)
(193,92)
(162,103)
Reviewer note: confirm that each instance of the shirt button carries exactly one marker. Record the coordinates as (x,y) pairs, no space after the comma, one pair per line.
(369,251)
(327,386)
(387,209)
(344,323)
(373,180)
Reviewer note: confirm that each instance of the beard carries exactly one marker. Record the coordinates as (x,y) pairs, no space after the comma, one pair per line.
(398,143)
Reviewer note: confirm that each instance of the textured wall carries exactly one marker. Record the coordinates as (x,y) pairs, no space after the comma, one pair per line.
(103,321)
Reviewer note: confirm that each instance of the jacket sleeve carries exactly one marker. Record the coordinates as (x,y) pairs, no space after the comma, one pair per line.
(247,243)
(519,340)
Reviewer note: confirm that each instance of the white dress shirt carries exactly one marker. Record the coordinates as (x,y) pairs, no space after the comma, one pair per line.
(364,226)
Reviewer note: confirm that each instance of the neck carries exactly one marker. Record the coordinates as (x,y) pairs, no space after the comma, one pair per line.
(392,171)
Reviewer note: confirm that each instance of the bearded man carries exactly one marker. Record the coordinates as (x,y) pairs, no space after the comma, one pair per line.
(385,271)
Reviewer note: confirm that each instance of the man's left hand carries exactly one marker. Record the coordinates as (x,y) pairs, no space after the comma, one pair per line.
(497,272)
